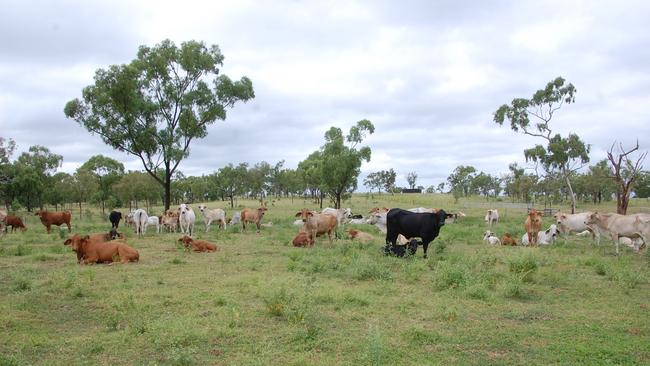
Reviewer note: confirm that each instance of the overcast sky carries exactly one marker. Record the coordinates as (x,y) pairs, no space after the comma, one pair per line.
(428,74)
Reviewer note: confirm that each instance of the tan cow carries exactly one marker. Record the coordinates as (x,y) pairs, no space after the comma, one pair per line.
(533,225)
(252,215)
(631,226)
(301,240)
(107,252)
(316,224)
(360,236)
(198,245)
(58,218)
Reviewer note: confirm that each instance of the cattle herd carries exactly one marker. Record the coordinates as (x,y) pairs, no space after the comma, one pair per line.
(405,230)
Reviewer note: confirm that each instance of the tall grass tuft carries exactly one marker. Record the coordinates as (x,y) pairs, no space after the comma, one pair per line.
(523,266)
(449,276)
(376,348)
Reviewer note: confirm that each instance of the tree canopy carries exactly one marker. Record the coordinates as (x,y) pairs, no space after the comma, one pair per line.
(155,106)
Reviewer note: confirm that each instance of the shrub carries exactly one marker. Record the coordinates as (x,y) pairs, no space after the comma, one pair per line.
(22,284)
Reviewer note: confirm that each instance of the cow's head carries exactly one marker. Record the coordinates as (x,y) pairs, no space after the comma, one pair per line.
(593,218)
(487,234)
(186,240)
(261,211)
(304,214)
(535,216)
(184,209)
(559,217)
(113,234)
(442,215)
(76,242)
(39,213)
(202,208)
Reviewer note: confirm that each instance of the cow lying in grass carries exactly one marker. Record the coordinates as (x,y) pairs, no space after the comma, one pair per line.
(360,236)
(97,238)
(89,251)
(301,240)
(197,245)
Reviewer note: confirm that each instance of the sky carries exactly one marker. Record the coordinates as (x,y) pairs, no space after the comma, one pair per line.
(428,74)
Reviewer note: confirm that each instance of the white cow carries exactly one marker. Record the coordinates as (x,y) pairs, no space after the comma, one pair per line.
(490,238)
(140,219)
(153,220)
(209,215)
(378,218)
(575,223)
(341,214)
(186,218)
(423,210)
(543,237)
(631,226)
(492,217)
(631,242)
(236,219)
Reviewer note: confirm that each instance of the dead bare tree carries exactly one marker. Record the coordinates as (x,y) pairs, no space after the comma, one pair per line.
(625,172)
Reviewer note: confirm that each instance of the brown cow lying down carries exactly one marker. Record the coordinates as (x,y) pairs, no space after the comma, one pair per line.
(102,252)
(98,238)
(507,239)
(360,235)
(301,240)
(198,245)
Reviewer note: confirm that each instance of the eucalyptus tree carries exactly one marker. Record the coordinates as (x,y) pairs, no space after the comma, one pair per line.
(158,104)
(411,179)
(564,155)
(107,172)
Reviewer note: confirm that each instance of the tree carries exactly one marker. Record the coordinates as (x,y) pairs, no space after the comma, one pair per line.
(372,181)
(7,170)
(460,181)
(107,172)
(642,186)
(625,172)
(341,164)
(310,171)
(564,155)
(33,172)
(411,178)
(381,179)
(155,106)
(598,182)
(85,184)
(232,179)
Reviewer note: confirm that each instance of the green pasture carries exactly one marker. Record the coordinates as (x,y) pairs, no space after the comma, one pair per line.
(260,301)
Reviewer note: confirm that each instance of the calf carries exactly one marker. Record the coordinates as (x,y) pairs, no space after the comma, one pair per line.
(186,218)
(316,224)
(413,225)
(236,219)
(631,226)
(575,223)
(301,240)
(114,217)
(631,242)
(15,222)
(57,218)
(140,219)
(252,215)
(492,217)
(128,221)
(153,220)
(507,239)
(89,252)
(490,238)
(360,235)
(170,220)
(533,225)
(209,215)
(198,245)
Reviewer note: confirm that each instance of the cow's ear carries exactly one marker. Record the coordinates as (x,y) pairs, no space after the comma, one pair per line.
(449,216)
(67,242)
(298,214)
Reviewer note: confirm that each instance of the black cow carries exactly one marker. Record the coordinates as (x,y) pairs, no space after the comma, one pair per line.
(115,217)
(425,226)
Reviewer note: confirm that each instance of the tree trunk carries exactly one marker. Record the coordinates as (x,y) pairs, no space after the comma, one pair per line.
(79,209)
(573,197)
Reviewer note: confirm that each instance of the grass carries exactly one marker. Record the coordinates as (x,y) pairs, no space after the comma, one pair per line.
(260,301)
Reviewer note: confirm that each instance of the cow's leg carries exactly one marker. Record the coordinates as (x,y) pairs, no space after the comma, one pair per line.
(257,223)
(49,228)
(425,246)
(615,239)
(391,238)
(207,225)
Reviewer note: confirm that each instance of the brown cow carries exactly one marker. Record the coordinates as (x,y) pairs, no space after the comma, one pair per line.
(54,218)
(198,245)
(301,240)
(170,220)
(316,224)
(507,239)
(98,238)
(15,222)
(360,235)
(252,215)
(93,252)
(533,225)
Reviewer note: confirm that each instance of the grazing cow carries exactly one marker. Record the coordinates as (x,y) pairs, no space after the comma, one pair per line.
(575,223)
(198,245)
(170,220)
(316,224)
(342,214)
(360,236)
(209,215)
(153,220)
(114,217)
(533,225)
(89,252)
(631,226)
(128,221)
(490,238)
(301,240)
(492,217)
(413,225)
(252,215)
(15,222)
(543,237)
(140,219)
(236,219)
(186,218)
(507,239)
(57,218)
